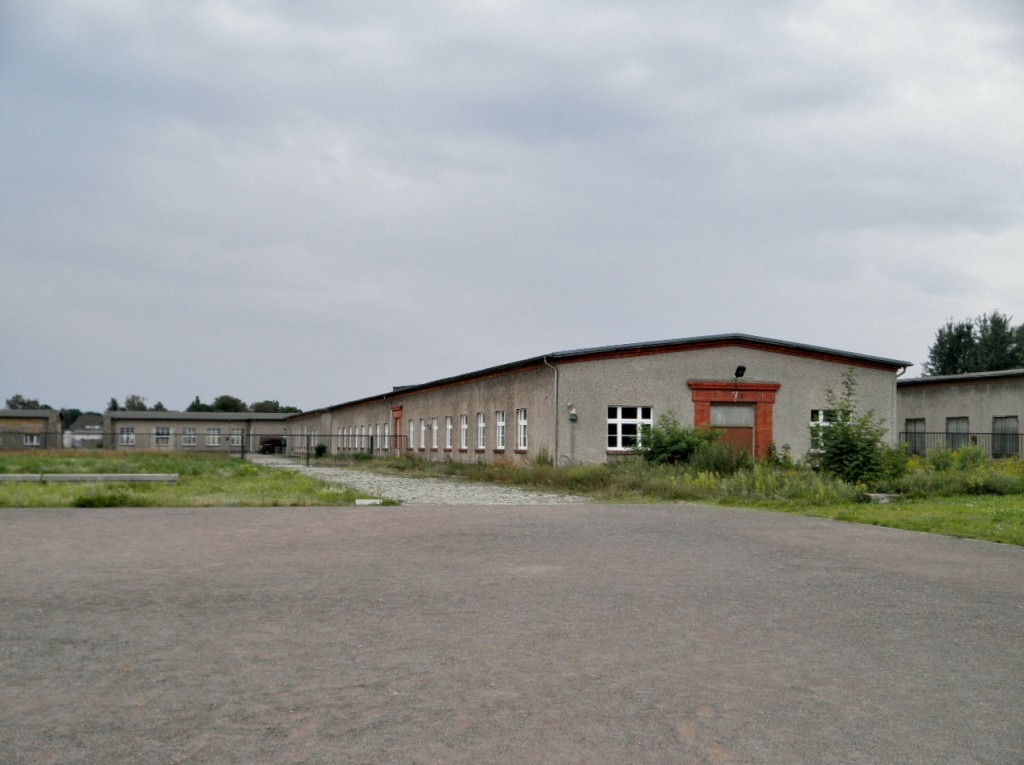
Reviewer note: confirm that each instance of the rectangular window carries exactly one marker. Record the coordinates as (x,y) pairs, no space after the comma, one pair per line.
(820,419)
(957,429)
(188,437)
(463,431)
(162,436)
(126,437)
(387,436)
(914,434)
(624,423)
(434,435)
(1005,437)
(481,434)
(213,436)
(412,435)
(236,436)
(499,430)
(522,437)
(423,434)
(30,439)
(448,431)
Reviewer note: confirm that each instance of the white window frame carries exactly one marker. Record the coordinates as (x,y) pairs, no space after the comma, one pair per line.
(213,436)
(820,419)
(434,434)
(30,439)
(162,436)
(188,436)
(464,432)
(481,430)
(423,433)
(522,430)
(448,432)
(237,434)
(644,415)
(412,434)
(499,430)
(126,437)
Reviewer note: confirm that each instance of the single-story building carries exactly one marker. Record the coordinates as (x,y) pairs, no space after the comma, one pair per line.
(30,429)
(587,405)
(86,432)
(983,409)
(191,431)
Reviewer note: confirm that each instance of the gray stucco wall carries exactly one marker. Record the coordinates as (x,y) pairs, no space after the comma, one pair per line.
(660,381)
(979,401)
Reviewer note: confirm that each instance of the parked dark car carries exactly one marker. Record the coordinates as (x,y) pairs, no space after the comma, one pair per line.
(273,445)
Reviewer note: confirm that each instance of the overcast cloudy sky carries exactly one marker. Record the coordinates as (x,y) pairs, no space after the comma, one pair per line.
(316,200)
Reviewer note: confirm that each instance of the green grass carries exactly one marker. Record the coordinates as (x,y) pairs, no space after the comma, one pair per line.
(209,480)
(954,505)
(989,517)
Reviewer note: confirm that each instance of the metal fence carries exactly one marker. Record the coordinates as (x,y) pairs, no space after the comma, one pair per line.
(304,448)
(996,445)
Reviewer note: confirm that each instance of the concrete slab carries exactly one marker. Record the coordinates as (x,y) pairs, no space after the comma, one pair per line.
(568,634)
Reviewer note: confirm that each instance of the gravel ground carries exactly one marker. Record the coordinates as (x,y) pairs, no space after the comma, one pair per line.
(428,491)
(681,635)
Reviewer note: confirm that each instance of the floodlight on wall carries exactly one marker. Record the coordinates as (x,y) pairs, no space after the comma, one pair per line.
(740,371)
(572,412)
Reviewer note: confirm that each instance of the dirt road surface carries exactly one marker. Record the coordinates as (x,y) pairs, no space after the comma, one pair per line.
(547,634)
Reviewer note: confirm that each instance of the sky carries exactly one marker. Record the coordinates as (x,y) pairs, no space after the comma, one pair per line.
(313,201)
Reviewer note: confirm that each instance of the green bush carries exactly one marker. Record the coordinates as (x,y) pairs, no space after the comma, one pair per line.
(719,458)
(972,458)
(669,443)
(940,459)
(851,444)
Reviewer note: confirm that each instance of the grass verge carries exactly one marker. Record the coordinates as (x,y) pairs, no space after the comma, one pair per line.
(205,480)
(989,517)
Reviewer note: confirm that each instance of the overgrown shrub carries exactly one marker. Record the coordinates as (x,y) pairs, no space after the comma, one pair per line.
(851,444)
(669,443)
(719,458)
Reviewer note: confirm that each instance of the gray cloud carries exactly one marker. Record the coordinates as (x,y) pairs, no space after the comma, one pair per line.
(315,201)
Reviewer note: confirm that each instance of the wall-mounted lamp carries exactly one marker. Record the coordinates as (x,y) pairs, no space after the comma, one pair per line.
(572,412)
(740,371)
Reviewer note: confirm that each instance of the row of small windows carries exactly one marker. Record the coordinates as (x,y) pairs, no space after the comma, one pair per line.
(1004,438)
(189,437)
(429,430)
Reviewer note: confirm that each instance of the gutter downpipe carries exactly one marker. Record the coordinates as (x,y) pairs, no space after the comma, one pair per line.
(555,456)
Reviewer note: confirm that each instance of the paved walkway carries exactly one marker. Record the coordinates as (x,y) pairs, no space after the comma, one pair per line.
(428,491)
(661,635)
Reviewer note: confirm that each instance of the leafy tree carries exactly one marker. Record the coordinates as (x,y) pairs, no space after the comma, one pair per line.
(17,401)
(851,444)
(986,343)
(228,404)
(998,343)
(271,406)
(198,406)
(68,416)
(112,405)
(267,406)
(159,407)
(135,403)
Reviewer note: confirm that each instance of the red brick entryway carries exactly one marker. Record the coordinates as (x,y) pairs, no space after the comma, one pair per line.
(761,395)
(395,447)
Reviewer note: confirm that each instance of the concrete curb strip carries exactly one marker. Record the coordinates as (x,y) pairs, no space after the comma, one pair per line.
(90,477)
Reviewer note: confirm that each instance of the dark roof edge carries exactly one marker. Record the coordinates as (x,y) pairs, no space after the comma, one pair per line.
(178,415)
(637,348)
(968,377)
